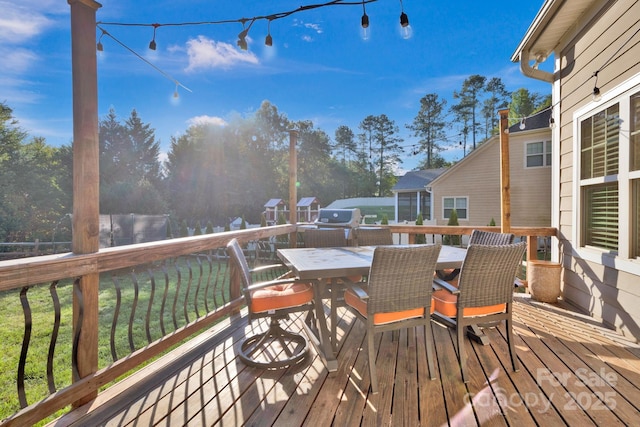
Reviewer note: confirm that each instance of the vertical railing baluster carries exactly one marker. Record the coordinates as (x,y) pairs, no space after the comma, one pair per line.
(116,314)
(79,297)
(134,306)
(176,295)
(164,295)
(152,293)
(197,292)
(206,289)
(54,336)
(26,338)
(186,295)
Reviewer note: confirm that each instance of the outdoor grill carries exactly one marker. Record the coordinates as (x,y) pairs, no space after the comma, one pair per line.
(339,218)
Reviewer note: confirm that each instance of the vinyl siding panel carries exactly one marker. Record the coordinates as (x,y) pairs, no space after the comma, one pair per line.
(608,293)
(477,177)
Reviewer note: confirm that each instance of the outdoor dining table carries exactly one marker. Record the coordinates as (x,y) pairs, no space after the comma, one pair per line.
(324,267)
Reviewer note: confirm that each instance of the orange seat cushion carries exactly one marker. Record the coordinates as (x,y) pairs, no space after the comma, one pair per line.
(445,304)
(281,296)
(352,299)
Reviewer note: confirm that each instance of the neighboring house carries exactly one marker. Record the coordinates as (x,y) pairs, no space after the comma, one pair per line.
(596,149)
(412,197)
(472,186)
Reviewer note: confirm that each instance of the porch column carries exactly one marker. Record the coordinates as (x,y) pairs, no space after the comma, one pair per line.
(505,184)
(86,178)
(293,188)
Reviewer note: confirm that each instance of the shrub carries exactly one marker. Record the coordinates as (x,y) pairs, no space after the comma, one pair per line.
(420,238)
(385,219)
(453,239)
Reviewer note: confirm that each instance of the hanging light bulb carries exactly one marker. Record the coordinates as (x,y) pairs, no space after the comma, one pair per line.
(152,43)
(268,41)
(596,90)
(99,46)
(242,37)
(523,124)
(364,22)
(405,28)
(175,92)
(552,123)
(596,94)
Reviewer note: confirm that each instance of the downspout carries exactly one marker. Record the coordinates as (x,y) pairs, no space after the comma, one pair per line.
(534,73)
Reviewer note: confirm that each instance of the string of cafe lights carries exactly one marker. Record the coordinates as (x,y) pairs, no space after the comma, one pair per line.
(247,24)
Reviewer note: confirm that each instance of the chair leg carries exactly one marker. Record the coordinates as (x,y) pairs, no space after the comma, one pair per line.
(512,347)
(295,348)
(428,336)
(372,362)
(462,357)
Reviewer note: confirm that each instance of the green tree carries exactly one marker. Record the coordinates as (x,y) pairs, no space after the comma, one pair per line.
(469,97)
(31,200)
(498,99)
(184,229)
(428,126)
(523,103)
(420,238)
(282,238)
(384,142)
(129,167)
(345,142)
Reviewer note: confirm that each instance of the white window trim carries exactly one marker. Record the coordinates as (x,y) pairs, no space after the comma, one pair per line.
(454,203)
(619,261)
(543,154)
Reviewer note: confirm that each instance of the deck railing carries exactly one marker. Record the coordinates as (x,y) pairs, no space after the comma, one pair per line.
(152,297)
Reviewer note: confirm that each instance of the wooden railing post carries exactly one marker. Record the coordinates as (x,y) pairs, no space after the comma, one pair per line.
(505,181)
(293,185)
(86,180)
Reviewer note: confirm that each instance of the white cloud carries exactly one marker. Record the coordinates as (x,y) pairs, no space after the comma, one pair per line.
(314,27)
(16,60)
(20,22)
(205,53)
(206,121)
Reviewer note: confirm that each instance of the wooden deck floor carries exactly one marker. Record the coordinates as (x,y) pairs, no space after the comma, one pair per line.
(573,372)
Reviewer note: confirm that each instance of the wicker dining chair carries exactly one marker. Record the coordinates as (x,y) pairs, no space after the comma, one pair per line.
(479,237)
(369,236)
(324,238)
(274,299)
(484,293)
(397,296)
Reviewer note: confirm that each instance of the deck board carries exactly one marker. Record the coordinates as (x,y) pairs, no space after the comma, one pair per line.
(572,371)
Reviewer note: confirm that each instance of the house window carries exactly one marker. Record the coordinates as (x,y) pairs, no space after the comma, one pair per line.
(457,203)
(407,208)
(425,205)
(538,154)
(609,184)
(599,162)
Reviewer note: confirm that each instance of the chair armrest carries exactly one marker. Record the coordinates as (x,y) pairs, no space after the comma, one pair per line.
(441,284)
(360,293)
(262,268)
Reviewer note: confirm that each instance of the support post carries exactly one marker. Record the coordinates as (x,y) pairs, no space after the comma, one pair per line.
(293,186)
(505,184)
(86,180)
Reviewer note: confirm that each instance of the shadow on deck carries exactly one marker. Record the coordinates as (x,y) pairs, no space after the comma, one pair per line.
(573,372)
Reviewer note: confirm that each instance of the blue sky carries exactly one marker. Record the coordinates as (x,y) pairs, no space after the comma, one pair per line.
(319,68)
